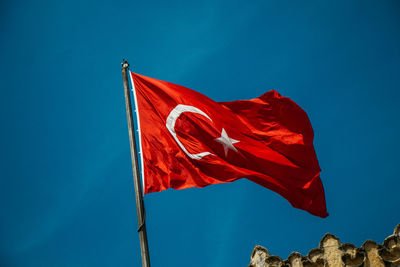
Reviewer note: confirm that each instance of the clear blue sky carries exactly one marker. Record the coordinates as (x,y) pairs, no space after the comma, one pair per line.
(66,190)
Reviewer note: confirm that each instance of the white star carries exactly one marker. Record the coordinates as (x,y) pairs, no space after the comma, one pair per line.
(226,141)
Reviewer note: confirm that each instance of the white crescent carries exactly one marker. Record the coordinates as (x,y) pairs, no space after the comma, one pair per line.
(171,120)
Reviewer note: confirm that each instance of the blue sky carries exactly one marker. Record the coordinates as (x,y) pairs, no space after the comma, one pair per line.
(66,189)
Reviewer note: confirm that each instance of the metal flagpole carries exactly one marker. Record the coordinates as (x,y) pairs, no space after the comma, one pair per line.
(144,248)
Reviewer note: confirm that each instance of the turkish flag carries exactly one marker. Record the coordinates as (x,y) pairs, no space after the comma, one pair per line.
(189,140)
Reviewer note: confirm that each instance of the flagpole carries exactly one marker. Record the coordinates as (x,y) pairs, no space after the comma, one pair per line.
(144,248)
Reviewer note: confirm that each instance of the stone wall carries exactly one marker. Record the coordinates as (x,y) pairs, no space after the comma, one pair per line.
(331,253)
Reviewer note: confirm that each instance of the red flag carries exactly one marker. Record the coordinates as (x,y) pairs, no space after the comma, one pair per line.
(189,140)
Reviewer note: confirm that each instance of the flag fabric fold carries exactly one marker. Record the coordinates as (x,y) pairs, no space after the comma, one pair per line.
(189,140)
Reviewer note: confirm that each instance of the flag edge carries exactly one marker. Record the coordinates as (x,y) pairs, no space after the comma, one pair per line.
(139,131)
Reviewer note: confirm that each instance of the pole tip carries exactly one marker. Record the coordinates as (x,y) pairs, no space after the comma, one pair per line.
(124,64)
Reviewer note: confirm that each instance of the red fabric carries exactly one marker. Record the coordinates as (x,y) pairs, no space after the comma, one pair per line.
(271,143)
